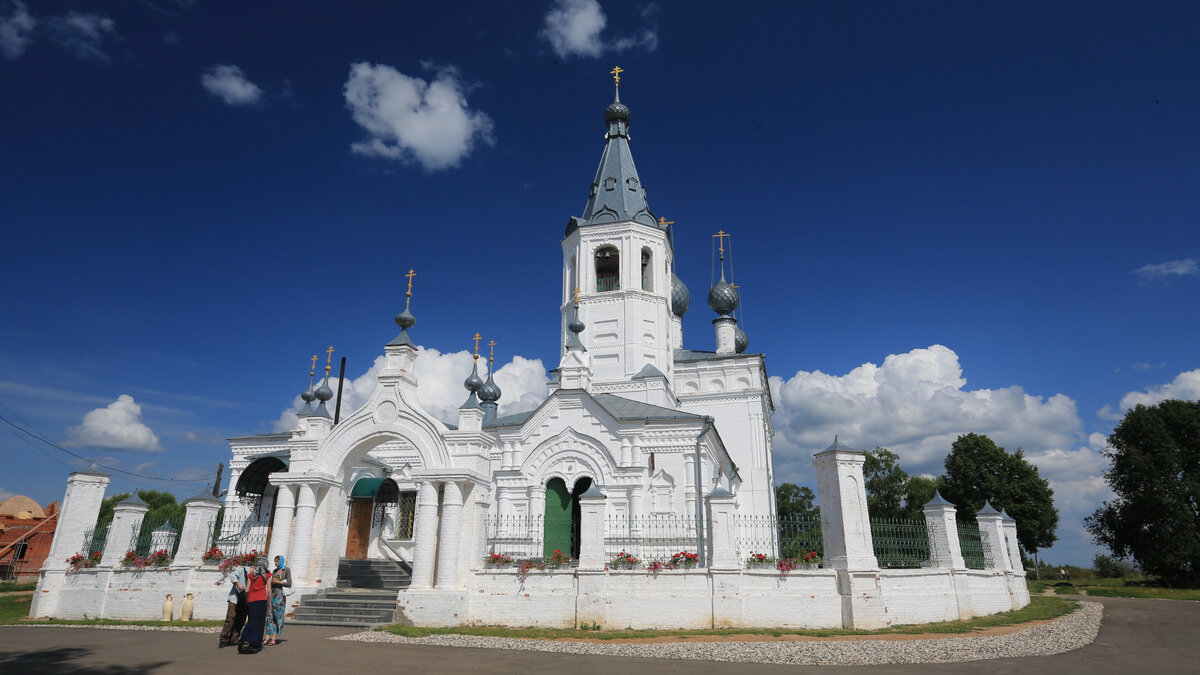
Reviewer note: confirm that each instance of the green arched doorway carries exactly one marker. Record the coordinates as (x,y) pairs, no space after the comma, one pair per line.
(562,516)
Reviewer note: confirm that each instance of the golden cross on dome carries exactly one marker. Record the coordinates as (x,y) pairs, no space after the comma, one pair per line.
(329,358)
(616,73)
(477,338)
(491,351)
(662,220)
(720,237)
(314,364)
(410,275)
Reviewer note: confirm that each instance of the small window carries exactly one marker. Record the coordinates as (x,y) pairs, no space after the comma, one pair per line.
(652,463)
(608,269)
(19,550)
(647,270)
(610,183)
(404,515)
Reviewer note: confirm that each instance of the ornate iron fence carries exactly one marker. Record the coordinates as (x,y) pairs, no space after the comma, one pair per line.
(238,537)
(524,537)
(900,542)
(93,539)
(794,537)
(650,537)
(149,537)
(970,539)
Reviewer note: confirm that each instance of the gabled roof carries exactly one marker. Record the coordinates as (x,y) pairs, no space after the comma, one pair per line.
(648,372)
(629,411)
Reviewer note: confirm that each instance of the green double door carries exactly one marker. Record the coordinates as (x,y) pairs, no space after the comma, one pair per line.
(562,516)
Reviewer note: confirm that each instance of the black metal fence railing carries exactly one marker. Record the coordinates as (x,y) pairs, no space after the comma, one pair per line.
(239,537)
(93,540)
(798,537)
(522,537)
(650,538)
(970,539)
(150,537)
(900,542)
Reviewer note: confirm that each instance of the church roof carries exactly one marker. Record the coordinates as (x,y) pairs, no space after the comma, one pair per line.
(617,194)
(685,355)
(648,372)
(627,410)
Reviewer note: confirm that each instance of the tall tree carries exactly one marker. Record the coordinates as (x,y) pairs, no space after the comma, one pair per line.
(795,501)
(886,483)
(978,470)
(917,494)
(1155,475)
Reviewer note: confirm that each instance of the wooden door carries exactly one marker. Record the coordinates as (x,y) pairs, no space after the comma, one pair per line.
(360,528)
(557,522)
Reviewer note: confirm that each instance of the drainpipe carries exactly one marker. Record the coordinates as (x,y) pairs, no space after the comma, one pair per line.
(700,548)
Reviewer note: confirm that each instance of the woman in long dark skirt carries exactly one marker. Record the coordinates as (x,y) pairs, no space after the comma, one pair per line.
(257,589)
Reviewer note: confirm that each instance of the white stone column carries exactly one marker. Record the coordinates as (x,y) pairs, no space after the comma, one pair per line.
(302,533)
(123,530)
(722,531)
(591,529)
(281,529)
(944,546)
(78,514)
(425,538)
(726,332)
(448,532)
(1014,550)
(626,453)
(845,523)
(991,528)
(198,523)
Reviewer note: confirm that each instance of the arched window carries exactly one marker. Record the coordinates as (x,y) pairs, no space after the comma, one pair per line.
(647,270)
(608,269)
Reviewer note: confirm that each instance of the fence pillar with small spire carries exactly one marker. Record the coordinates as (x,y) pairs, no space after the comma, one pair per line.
(944,546)
(1010,537)
(80,509)
(722,528)
(845,524)
(123,530)
(991,528)
(591,529)
(197,532)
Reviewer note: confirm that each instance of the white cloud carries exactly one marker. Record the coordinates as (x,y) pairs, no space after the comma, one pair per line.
(1185,386)
(916,404)
(16,30)
(84,35)
(118,425)
(1171,268)
(229,84)
(1145,365)
(439,386)
(574,27)
(410,119)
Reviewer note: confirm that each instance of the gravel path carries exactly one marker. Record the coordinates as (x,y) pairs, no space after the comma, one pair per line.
(1061,635)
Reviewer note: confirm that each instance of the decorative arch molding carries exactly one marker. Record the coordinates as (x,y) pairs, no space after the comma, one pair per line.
(570,456)
(378,422)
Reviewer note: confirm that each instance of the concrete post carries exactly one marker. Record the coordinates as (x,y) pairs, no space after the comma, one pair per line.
(991,529)
(281,529)
(302,534)
(448,534)
(80,509)
(944,546)
(123,530)
(197,533)
(591,529)
(845,524)
(722,528)
(425,538)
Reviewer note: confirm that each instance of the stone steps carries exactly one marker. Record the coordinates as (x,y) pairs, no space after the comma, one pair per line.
(365,596)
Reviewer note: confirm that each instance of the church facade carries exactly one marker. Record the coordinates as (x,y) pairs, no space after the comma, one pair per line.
(629,497)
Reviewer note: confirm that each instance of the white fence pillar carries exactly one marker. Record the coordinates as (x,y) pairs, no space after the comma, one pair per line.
(197,533)
(591,529)
(845,524)
(1010,536)
(944,546)
(123,530)
(991,528)
(722,529)
(80,509)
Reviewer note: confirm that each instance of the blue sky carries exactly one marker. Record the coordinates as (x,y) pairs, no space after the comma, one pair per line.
(947,217)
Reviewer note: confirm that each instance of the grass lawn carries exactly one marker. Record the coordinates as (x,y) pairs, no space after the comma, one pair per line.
(9,586)
(1118,591)
(1040,607)
(14,609)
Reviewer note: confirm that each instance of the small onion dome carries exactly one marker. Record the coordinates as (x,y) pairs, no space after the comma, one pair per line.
(405,319)
(616,111)
(723,298)
(490,391)
(473,383)
(681,297)
(740,340)
(309,395)
(576,326)
(324,393)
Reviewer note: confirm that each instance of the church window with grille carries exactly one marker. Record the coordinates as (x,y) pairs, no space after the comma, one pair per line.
(608,269)
(647,270)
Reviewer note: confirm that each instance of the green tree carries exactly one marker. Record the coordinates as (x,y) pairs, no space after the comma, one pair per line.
(106,507)
(917,494)
(795,501)
(978,470)
(1155,475)
(886,483)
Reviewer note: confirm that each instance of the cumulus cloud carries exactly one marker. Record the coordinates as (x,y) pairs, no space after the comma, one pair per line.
(439,386)
(229,84)
(574,27)
(118,425)
(410,119)
(16,29)
(83,34)
(1171,268)
(1185,386)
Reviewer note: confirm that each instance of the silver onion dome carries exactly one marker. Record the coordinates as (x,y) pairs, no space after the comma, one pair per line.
(681,297)
(473,383)
(723,298)
(740,340)
(490,391)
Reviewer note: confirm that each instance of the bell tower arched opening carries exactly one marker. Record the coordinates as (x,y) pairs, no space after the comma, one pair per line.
(608,269)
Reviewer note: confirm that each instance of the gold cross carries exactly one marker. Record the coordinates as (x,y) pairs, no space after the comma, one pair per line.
(662,220)
(410,275)
(492,351)
(328,359)
(720,236)
(477,339)
(314,363)
(577,296)
(616,73)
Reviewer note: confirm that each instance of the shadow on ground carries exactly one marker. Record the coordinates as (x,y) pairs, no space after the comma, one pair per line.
(66,660)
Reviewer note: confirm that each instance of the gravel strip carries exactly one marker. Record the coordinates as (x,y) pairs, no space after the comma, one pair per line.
(165,629)
(1061,635)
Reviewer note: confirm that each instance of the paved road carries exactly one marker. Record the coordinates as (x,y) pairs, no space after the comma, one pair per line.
(1136,636)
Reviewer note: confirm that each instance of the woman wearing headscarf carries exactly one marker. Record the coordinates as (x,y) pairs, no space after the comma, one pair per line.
(258,584)
(281,578)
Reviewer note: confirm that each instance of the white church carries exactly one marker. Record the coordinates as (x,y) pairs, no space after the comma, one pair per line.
(644,450)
